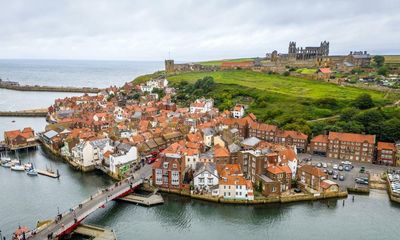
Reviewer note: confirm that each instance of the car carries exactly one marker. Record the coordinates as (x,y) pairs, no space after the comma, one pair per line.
(347,168)
(319,165)
(330,172)
(361,181)
(297,190)
(151,160)
(362,170)
(324,165)
(325,170)
(340,168)
(341,177)
(335,176)
(335,166)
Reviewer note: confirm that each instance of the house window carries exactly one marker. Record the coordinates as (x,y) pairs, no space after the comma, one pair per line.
(273,189)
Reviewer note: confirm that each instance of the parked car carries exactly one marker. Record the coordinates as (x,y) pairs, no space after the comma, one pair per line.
(347,168)
(319,165)
(151,160)
(340,168)
(341,177)
(362,170)
(335,176)
(361,181)
(335,166)
(324,165)
(330,172)
(297,190)
(325,170)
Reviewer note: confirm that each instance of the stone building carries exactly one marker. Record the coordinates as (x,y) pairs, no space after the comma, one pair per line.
(308,52)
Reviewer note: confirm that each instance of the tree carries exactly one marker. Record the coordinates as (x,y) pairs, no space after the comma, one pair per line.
(383,71)
(379,60)
(363,101)
(347,114)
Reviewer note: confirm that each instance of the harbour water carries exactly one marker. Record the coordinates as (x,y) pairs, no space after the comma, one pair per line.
(24,200)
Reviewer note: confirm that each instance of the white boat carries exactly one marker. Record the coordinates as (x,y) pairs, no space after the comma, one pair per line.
(14,162)
(18,167)
(32,172)
(6,165)
(28,166)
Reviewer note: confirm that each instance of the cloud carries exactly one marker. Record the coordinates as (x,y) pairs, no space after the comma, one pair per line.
(192,30)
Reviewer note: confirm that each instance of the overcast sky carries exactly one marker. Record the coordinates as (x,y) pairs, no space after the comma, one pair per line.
(193,30)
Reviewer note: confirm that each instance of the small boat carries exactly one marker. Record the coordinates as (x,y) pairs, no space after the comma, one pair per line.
(32,172)
(6,165)
(13,121)
(14,162)
(28,166)
(18,167)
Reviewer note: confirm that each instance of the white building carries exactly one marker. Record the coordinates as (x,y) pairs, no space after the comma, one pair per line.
(208,136)
(238,111)
(201,105)
(89,153)
(205,177)
(123,157)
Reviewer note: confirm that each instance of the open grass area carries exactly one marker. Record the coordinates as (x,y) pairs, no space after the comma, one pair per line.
(219,62)
(279,99)
(392,59)
(289,86)
(306,70)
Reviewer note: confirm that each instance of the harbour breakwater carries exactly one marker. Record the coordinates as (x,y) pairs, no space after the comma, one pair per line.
(25,113)
(36,88)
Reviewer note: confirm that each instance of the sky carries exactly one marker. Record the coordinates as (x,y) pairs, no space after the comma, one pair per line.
(193,30)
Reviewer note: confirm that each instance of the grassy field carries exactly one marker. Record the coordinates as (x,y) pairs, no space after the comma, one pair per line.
(306,70)
(290,86)
(219,62)
(279,99)
(392,59)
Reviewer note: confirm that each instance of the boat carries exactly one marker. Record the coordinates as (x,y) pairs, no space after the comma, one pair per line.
(28,166)
(6,165)
(13,121)
(32,172)
(18,167)
(14,162)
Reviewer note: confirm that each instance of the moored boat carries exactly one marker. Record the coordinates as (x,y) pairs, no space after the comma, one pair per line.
(18,168)
(6,165)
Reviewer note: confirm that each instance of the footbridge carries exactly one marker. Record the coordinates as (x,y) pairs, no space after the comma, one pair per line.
(66,222)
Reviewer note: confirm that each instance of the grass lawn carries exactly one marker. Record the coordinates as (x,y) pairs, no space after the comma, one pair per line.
(306,70)
(219,62)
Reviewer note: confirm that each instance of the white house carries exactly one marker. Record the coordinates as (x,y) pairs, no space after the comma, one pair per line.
(192,157)
(205,177)
(89,153)
(123,157)
(201,105)
(119,114)
(208,136)
(146,88)
(238,111)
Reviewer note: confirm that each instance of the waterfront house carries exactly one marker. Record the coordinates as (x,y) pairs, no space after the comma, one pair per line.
(89,153)
(232,184)
(205,177)
(20,139)
(310,177)
(122,159)
(386,154)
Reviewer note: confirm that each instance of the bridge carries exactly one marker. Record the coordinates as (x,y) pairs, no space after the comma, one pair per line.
(66,222)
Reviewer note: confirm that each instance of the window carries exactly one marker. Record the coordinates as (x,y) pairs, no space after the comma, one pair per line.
(273,189)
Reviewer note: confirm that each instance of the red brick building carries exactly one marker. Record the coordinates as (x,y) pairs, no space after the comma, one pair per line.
(319,145)
(293,138)
(263,131)
(310,177)
(386,153)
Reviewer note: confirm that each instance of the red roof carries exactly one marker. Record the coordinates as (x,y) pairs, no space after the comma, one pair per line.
(386,146)
(320,138)
(325,70)
(352,137)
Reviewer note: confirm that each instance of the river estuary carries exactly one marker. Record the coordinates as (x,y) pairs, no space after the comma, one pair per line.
(24,200)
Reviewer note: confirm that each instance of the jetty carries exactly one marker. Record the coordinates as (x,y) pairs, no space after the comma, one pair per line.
(148,200)
(37,88)
(42,112)
(48,173)
(95,232)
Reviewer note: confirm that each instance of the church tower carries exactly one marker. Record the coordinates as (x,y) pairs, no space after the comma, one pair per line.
(292,52)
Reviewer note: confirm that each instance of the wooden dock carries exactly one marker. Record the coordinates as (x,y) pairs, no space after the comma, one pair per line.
(48,174)
(144,200)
